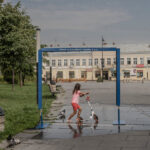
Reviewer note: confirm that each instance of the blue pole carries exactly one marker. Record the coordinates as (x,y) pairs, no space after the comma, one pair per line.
(118,82)
(40,86)
(40,79)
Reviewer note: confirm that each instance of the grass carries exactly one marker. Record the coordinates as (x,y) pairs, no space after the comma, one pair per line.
(21,110)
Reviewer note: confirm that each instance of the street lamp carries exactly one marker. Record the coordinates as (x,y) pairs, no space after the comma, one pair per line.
(102,61)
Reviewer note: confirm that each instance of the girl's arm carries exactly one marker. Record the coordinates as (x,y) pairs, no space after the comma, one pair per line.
(82,94)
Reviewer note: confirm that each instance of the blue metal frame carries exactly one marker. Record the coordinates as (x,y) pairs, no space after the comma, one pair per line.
(78,50)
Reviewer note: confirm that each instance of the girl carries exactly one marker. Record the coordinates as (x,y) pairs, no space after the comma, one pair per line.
(75,101)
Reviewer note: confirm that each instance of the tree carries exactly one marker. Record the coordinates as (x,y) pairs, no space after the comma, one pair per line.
(17,40)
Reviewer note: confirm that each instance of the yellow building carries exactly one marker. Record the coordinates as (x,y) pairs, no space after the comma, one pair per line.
(87,66)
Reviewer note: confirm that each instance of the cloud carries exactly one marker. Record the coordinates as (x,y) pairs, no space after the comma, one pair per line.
(77,19)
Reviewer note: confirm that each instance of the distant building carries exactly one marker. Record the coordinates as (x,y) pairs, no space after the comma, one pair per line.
(87,66)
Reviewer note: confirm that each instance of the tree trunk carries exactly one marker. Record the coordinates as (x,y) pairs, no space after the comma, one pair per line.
(21,83)
(13,79)
(23,78)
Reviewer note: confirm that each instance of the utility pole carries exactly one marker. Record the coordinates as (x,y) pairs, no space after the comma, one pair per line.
(102,62)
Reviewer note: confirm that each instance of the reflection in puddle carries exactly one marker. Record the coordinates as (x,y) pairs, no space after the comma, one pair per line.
(77,132)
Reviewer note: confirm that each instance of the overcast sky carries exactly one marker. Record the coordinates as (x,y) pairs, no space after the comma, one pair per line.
(78,21)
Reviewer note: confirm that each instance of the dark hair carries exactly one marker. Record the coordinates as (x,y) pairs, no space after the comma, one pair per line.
(76,88)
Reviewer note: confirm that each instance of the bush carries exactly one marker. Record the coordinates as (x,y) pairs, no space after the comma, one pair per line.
(1,79)
(99,79)
(8,77)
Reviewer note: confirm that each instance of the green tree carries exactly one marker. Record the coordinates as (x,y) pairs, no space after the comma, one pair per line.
(17,40)
(45,56)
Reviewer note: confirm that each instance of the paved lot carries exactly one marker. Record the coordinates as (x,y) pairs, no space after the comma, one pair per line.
(135,110)
(105,93)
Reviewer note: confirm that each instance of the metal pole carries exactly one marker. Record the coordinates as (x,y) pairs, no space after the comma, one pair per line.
(118,83)
(38,76)
(37,48)
(102,58)
(50,74)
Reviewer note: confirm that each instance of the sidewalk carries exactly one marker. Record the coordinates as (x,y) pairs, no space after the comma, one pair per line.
(133,140)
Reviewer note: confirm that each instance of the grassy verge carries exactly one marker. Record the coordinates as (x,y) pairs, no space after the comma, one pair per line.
(21,110)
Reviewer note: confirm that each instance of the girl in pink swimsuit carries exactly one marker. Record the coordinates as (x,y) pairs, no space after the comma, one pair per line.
(75,101)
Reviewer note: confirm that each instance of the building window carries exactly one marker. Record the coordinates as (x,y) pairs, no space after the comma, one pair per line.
(103,62)
(127,74)
(114,61)
(71,62)
(95,61)
(53,63)
(90,62)
(83,62)
(122,61)
(84,74)
(97,74)
(47,75)
(47,63)
(135,61)
(65,62)
(141,60)
(139,73)
(71,74)
(148,60)
(59,62)
(128,61)
(77,62)
(59,74)
(108,61)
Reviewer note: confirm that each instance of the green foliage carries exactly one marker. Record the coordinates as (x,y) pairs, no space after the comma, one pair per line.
(17,44)
(21,110)
(99,79)
(1,79)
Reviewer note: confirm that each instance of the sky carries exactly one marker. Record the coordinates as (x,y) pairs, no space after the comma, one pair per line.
(78,21)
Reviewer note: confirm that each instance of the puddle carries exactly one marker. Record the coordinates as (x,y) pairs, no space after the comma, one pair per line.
(135,117)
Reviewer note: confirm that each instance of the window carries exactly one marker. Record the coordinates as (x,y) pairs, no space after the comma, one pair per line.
(47,75)
(148,60)
(102,62)
(77,62)
(83,74)
(71,62)
(135,61)
(108,61)
(122,61)
(114,61)
(65,62)
(59,74)
(83,62)
(71,74)
(127,74)
(141,60)
(59,62)
(53,63)
(95,61)
(47,63)
(97,74)
(139,73)
(128,61)
(90,62)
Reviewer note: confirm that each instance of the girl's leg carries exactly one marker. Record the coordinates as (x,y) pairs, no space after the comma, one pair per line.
(79,112)
(74,112)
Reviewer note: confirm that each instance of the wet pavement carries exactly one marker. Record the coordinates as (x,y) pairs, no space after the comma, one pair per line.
(136,118)
(136,114)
